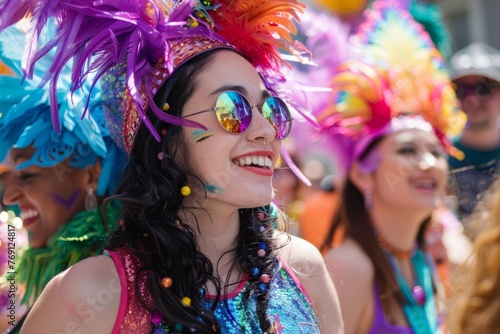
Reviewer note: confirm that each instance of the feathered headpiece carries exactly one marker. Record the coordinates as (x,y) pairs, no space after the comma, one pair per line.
(398,71)
(429,15)
(326,37)
(25,119)
(135,45)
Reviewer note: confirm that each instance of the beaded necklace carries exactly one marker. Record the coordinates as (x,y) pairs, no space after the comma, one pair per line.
(417,292)
(396,252)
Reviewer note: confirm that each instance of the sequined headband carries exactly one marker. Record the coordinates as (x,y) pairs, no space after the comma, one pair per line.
(125,126)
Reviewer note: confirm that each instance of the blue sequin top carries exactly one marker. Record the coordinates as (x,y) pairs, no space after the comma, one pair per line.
(288,308)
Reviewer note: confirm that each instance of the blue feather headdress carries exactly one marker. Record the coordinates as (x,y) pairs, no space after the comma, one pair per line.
(25,117)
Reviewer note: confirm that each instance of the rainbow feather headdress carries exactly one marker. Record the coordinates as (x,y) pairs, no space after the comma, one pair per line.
(135,45)
(25,119)
(397,71)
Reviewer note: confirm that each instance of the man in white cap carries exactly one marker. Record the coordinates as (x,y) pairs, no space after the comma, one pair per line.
(475,70)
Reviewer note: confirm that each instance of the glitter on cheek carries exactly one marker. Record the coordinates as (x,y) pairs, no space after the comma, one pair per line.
(200,135)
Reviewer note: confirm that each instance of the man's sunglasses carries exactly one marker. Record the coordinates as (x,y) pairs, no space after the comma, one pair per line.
(481,90)
(234,113)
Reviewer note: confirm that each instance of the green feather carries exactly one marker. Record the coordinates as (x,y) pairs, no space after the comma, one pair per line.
(429,15)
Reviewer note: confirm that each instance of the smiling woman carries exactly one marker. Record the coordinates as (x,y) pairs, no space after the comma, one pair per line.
(190,90)
(390,113)
(47,197)
(56,179)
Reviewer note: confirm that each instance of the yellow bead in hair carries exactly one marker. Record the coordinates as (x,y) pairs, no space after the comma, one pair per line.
(186,301)
(185,191)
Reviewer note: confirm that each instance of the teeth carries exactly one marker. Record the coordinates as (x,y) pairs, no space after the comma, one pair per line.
(27,214)
(424,184)
(254,160)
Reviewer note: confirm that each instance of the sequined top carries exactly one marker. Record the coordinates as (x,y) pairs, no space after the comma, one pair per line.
(289,307)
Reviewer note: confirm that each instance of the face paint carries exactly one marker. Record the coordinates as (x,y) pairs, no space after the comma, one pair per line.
(48,197)
(31,235)
(212,188)
(67,203)
(215,161)
(200,135)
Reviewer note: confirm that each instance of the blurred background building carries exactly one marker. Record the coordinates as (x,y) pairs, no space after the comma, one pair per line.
(472,21)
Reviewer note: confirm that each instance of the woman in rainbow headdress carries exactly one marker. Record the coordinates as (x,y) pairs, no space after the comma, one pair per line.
(56,179)
(391,110)
(190,91)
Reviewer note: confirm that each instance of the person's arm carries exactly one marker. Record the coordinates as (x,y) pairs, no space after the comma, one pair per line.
(353,275)
(307,264)
(83,299)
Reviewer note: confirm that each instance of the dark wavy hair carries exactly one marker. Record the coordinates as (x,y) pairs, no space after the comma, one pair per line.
(154,219)
(358,225)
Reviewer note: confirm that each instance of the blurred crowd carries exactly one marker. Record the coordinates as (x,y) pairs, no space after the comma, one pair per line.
(460,236)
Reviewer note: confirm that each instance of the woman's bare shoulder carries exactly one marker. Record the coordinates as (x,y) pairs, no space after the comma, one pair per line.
(85,298)
(299,254)
(306,262)
(350,259)
(353,274)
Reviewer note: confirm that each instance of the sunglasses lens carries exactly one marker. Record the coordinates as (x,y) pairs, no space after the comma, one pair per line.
(276,112)
(483,90)
(233,112)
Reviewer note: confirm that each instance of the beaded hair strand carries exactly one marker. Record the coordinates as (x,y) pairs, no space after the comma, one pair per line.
(256,252)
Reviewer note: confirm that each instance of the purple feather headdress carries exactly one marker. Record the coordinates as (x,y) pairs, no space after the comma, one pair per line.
(135,45)
(98,35)
(326,36)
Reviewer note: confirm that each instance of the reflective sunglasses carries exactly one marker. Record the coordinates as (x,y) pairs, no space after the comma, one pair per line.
(481,90)
(234,113)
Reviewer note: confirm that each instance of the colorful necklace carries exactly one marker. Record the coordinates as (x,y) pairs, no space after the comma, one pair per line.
(417,292)
(419,306)
(401,254)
